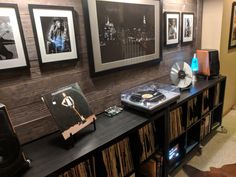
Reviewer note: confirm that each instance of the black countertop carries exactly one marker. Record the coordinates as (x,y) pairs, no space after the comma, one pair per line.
(49,154)
(195,89)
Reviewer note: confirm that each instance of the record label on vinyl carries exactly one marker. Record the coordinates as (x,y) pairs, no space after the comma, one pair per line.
(181,74)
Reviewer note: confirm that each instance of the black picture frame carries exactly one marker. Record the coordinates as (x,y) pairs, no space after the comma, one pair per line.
(232,34)
(171,38)
(187,34)
(13,51)
(43,18)
(96,65)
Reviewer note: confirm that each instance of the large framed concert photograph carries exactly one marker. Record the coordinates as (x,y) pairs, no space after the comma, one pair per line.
(13,52)
(122,33)
(232,34)
(55,34)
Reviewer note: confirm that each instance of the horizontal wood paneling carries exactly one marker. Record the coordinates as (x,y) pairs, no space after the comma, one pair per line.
(21,91)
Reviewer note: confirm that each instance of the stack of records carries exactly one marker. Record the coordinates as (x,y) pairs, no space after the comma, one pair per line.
(217,95)
(147,141)
(152,168)
(205,126)
(85,169)
(205,102)
(192,114)
(176,123)
(118,159)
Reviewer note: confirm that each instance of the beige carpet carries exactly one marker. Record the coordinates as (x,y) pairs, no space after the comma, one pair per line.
(220,150)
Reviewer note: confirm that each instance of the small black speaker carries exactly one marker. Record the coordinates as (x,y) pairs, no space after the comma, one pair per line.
(12,159)
(214,63)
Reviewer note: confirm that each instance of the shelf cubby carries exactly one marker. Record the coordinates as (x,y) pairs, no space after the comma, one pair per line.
(192,137)
(193,110)
(216,116)
(176,152)
(205,102)
(205,126)
(177,123)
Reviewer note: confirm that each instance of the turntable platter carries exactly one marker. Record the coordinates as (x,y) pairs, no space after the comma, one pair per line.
(149,96)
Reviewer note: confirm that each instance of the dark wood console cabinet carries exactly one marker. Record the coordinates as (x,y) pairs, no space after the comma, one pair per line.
(186,124)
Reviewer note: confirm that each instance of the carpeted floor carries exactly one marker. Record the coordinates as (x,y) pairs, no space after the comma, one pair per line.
(219,151)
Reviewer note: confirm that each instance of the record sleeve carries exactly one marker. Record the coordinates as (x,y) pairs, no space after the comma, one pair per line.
(69,108)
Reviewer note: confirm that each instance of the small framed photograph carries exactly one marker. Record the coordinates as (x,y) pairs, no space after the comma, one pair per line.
(187,27)
(54,30)
(171,28)
(122,33)
(13,53)
(232,35)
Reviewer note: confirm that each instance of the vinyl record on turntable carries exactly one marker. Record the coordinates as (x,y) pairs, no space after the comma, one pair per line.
(150,97)
(181,74)
(147,96)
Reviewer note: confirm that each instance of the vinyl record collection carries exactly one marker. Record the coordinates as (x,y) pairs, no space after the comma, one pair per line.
(192,113)
(205,102)
(205,126)
(114,161)
(217,94)
(147,140)
(118,159)
(152,168)
(83,169)
(176,123)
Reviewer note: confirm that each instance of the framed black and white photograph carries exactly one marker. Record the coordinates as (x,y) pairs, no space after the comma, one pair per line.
(187,27)
(232,34)
(54,30)
(122,33)
(171,28)
(13,53)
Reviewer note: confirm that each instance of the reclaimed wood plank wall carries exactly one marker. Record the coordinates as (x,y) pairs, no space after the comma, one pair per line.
(21,91)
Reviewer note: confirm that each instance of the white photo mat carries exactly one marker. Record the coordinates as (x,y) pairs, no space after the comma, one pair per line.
(189,18)
(20,61)
(97,58)
(172,15)
(53,57)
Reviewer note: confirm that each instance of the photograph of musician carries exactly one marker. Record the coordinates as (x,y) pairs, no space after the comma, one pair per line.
(187,28)
(69,102)
(172,30)
(56,36)
(7,42)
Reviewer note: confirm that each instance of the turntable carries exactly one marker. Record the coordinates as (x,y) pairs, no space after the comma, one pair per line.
(150,97)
